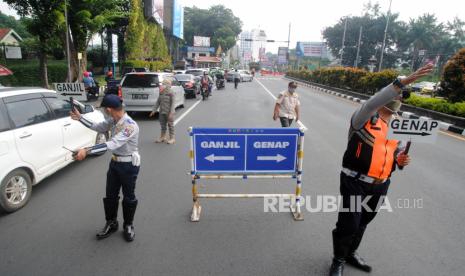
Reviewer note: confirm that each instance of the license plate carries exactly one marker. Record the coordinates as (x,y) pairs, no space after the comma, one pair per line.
(140,96)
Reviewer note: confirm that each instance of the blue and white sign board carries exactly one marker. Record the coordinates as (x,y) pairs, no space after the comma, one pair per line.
(245,150)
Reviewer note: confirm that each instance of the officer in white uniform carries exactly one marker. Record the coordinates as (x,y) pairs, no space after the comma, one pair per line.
(124,165)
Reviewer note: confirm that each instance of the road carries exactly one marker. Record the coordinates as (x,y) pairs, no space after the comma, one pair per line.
(55,233)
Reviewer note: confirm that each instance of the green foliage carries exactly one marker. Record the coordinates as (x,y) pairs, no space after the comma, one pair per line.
(439,105)
(453,79)
(8,21)
(348,78)
(26,73)
(145,40)
(154,66)
(218,22)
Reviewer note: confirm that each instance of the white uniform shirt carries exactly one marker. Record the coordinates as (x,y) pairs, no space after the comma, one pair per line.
(287,104)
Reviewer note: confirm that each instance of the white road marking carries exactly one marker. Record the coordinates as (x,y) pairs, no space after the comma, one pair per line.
(299,123)
(185,113)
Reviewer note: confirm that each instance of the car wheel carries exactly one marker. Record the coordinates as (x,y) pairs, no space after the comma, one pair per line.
(15,190)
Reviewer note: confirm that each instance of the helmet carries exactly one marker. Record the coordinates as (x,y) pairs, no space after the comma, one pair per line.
(86,74)
(109,73)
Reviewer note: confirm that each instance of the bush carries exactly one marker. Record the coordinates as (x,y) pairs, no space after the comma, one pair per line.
(453,79)
(28,74)
(439,105)
(154,66)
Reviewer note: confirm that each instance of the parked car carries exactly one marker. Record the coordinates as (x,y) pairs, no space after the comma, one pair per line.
(35,129)
(140,91)
(190,83)
(178,72)
(134,69)
(245,75)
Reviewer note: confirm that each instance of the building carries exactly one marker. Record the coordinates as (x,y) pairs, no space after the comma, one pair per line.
(9,37)
(252,46)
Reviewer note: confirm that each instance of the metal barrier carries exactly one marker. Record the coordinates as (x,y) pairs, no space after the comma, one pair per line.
(246,153)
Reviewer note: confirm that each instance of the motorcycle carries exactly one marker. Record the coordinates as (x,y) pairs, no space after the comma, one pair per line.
(219,82)
(205,91)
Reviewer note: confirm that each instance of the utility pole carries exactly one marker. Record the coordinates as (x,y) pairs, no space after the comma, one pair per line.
(288,43)
(358,47)
(385,34)
(68,56)
(343,39)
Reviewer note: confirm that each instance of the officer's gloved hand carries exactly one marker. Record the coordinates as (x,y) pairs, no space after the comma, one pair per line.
(136,159)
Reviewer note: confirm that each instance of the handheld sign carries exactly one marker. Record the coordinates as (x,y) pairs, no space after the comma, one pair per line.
(414,130)
(245,151)
(74,89)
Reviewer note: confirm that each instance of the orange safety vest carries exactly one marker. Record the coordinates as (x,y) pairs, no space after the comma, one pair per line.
(369,151)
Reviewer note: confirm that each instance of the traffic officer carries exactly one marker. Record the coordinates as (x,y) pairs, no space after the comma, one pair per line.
(124,165)
(368,162)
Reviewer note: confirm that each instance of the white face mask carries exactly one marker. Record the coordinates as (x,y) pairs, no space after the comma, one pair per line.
(291,90)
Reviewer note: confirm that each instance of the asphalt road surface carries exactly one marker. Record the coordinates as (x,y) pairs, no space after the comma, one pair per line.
(55,233)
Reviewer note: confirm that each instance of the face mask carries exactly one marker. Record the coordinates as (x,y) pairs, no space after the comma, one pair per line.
(291,90)
(106,114)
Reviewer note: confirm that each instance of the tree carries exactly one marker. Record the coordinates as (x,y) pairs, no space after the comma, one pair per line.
(87,18)
(453,79)
(19,26)
(44,23)
(218,22)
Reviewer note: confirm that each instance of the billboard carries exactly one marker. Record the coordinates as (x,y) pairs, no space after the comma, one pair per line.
(178,19)
(311,49)
(153,9)
(201,41)
(282,55)
(13,52)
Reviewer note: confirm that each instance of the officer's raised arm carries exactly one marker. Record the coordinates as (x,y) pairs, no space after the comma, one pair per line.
(99,127)
(384,96)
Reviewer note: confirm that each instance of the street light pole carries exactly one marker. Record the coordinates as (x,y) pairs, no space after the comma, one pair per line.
(385,34)
(358,46)
(68,56)
(343,39)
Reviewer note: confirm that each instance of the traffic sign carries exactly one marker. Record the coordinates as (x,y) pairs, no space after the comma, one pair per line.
(415,130)
(245,151)
(71,89)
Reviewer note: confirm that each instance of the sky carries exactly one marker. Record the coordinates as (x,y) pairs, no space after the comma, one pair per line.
(308,17)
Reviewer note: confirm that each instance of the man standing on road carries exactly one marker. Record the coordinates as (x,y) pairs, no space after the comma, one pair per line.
(287,106)
(166,103)
(124,165)
(368,162)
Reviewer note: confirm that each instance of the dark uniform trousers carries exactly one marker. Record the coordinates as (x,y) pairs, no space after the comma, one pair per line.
(351,224)
(121,175)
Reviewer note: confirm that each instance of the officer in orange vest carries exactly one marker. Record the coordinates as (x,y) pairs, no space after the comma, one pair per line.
(368,162)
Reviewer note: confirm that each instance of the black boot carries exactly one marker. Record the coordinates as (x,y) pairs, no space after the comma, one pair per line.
(341,247)
(129,209)
(353,258)
(111,212)
(337,267)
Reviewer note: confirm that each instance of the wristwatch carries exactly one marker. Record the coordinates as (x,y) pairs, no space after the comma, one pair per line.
(398,84)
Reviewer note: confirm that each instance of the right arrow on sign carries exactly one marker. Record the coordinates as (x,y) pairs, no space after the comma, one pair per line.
(278,158)
(212,158)
(412,133)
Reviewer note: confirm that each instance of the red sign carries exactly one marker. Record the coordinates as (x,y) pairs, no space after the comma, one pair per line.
(5,71)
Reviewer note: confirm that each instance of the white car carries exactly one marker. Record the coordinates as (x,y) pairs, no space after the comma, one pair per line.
(140,90)
(245,75)
(36,132)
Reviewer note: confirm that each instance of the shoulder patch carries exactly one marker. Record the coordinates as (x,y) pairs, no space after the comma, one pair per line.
(128,130)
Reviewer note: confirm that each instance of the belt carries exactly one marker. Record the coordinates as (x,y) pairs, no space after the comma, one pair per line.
(121,158)
(363,177)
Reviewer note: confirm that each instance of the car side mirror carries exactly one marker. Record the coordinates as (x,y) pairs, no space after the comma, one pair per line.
(88,108)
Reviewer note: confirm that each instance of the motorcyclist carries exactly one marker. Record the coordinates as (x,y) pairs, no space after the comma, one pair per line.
(206,82)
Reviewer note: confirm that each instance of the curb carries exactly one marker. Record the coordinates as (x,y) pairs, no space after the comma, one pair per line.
(407,115)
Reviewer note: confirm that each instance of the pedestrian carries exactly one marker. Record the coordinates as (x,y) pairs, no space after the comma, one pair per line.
(287,107)
(368,162)
(124,165)
(166,105)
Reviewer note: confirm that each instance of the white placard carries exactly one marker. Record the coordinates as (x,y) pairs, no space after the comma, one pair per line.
(71,89)
(114,48)
(13,52)
(415,130)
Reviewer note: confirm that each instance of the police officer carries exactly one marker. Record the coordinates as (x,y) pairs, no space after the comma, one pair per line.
(368,162)
(124,165)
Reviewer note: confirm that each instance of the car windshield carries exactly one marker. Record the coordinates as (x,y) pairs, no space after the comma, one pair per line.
(140,80)
(184,77)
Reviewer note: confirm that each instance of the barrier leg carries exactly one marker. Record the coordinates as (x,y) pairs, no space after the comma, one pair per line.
(196,208)
(296,209)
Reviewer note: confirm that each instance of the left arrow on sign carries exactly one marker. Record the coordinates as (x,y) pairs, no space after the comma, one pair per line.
(278,158)
(212,158)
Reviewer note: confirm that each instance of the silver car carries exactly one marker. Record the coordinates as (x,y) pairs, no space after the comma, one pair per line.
(140,90)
